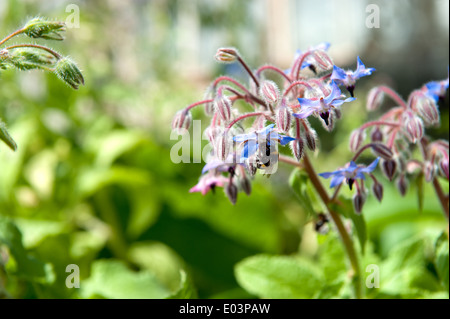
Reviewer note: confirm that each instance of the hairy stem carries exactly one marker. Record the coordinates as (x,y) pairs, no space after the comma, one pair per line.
(11,35)
(54,53)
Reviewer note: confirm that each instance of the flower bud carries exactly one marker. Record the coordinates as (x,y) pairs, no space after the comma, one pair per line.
(245,184)
(356,139)
(297,148)
(429,170)
(68,71)
(182,120)
(382,150)
(209,107)
(402,184)
(222,105)
(231,191)
(358,202)
(269,92)
(374,99)
(443,167)
(283,118)
(425,107)
(310,137)
(45,29)
(222,147)
(388,168)
(6,138)
(376,135)
(323,59)
(412,126)
(226,55)
(377,189)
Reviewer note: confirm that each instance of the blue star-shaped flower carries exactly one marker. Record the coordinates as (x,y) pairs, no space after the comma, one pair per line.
(348,78)
(322,106)
(260,140)
(351,173)
(436,89)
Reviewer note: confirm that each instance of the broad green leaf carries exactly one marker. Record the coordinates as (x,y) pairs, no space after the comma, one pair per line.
(34,230)
(346,209)
(279,277)
(6,138)
(441,260)
(186,290)
(298,181)
(112,279)
(22,264)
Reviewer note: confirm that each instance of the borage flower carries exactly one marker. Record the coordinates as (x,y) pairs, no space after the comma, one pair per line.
(350,174)
(322,106)
(348,78)
(262,142)
(437,89)
(209,182)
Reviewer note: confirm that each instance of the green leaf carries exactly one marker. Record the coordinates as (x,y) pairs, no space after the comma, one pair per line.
(6,138)
(441,260)
(22,264)
(113,280)
(279,277)
(187,289)
(298,181)
(346,210)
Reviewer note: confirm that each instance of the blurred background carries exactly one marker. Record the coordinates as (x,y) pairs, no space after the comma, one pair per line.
(92,182)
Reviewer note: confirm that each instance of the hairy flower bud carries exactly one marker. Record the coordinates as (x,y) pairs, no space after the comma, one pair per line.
(374,99)
(222,147)
(425,107)
(382,150)
(443,167)
(358,202)
(412,126)
(323,59)
(310,137)
(356,139)
(269,92)
(44,28)
(182,120)
(283,118)
(297,148)
(226,55)
(376,135)
(209,107)
(389,168)
(377,189)
(402,184)
(429,170)
(222,105)
(68,71)
(245,184)
(231,191)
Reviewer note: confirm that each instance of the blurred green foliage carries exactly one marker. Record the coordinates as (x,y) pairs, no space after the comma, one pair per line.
(92,184)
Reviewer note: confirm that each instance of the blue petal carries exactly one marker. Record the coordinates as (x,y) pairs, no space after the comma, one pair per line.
(338,74)
(360,175)
(371,166)
(304,113)
(337,180)
(308,102)
(244,137)
(335,93)
(249,149)
(211,165)
(336,103)
(351,167)
(327,174)
(265,131)
(286,139)
(361,70)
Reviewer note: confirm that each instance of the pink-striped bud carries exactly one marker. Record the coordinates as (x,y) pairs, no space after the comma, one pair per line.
(245,184)
(382,150)
(376,135)
(358,202)
(323,59)
(182,120)
(211,132)
(377,189)
(425,107)
(222,105)
(429,171)
(310,137)
(226,55)
(402,184)
(209,107)
(297,148)
(357,137)
(388,168)
(283,118)
(269,92)
(443,167)
(222,147)
(374,99)
(412,127)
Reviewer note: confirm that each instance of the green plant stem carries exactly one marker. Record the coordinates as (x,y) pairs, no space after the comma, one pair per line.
(346,239)
(37,46)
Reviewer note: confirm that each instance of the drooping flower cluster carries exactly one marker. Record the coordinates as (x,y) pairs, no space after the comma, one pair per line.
(393,136)
(280,112)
